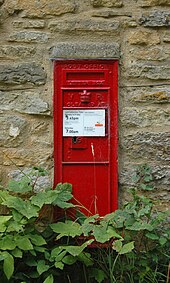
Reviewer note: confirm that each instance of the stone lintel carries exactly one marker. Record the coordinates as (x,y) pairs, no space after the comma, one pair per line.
(85,51)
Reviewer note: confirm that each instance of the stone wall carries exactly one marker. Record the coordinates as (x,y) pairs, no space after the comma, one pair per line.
(29,31)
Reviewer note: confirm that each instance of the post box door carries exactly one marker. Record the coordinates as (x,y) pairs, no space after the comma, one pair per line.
(85,131)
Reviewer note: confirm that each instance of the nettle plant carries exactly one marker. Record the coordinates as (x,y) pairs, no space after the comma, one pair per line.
(128,245)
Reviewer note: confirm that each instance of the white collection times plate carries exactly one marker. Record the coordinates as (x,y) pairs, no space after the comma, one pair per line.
(84,123)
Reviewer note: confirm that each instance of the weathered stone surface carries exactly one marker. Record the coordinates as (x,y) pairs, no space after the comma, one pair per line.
(12,130)
(41,182)
(107,3)
(128,23)
(144,37)
(85,50)
(150,3)
(39,9)
(166,37)
(24,102)
(148,71)
(156,19)
(22,52)
(22,74)
(107,13)
(27,157)
(37,24)
(148,146)
(42,129)
(32,36)
(92,25)
(151,53)
(147,95)
(144,117)
(3,15)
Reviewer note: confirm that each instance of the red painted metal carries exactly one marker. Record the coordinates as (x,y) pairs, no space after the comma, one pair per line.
(89,163)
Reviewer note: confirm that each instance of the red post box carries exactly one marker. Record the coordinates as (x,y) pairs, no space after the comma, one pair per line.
(85,131)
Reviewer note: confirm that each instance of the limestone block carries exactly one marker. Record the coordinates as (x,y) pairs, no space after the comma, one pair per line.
(22,74)
(147,146)
(108,13)
(41,129)
(27,157)
(40,9)
(151,53)
(107,3)
(128,23)
(150,3)
(155,19)
(22,52)
(12,130)
(24,102)
(32,36)
(85,25)
(166,37)
(85,50)
(148,71)
(144,117)
(36,24)
(143,37)
(146,95)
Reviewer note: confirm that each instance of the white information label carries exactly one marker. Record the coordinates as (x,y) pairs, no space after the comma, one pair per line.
(84,123)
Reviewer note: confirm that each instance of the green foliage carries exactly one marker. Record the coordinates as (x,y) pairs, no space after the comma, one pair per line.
(133,242)
(143,178)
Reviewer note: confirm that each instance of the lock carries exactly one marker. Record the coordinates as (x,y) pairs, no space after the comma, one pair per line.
(78,143)
(85,131)
(74,140)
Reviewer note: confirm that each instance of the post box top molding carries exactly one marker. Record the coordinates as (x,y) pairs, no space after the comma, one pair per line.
(83,50)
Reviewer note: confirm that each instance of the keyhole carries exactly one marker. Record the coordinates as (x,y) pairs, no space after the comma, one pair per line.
(74,139)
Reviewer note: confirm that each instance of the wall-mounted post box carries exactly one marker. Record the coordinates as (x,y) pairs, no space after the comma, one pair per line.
(85,131)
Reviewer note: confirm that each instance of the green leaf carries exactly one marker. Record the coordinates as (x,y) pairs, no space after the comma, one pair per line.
(146,187)
(22,186)
(152,236)
(77,250)
(117,245)
(42,267)
(148,178)
(40,249)
(59,265)
(30,261)
(3,196)
(69,259)
(100,233)
(69,229)
(42,198)
(49,279)
(8,265)
(23,207)
(85,258)
(3,222)
(98,274)
(23,243)
(7,243)
(127,248)
(17,253)
(137,226)
(37,240)
(89,224)
(64,195)
(58,253)
(162,241)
